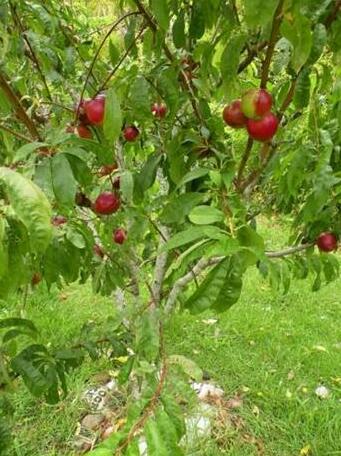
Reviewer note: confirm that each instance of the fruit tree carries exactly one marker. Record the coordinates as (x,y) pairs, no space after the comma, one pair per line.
(139,155)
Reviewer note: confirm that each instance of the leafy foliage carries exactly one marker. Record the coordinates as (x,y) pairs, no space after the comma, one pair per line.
(189,190)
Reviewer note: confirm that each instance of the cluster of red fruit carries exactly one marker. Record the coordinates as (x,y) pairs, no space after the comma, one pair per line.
(253,111)
(91,113)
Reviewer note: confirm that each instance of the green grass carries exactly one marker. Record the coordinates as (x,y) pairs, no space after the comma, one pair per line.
(250,350)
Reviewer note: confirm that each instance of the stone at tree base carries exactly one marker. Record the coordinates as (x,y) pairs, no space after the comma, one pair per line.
(93,422)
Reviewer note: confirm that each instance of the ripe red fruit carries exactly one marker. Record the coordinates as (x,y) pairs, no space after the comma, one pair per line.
(233,115)
(263,129)
(94,110)
(130,133)
(98,251)
(119,236)
(256,103)
(83,132)
(36,278)
(58,220)
(327,242)
(107,203)
(106,170)
(159,110)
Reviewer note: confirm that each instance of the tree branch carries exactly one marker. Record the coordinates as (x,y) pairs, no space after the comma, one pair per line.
(205,263)
(171,58)
(160,267)
(15,133)
(244,160)
(18,108)
(333,14)
(121,60)
(277,19)
(112,28)
(251,55)
(17,21)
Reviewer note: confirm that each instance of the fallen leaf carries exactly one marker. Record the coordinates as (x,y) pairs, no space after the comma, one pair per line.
(255,410)
(234,402)
(320,348)
(306,451)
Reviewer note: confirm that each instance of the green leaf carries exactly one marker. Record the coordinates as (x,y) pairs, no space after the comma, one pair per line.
(24,151)
(230,292)
(139,98)
(206,215)
(189,367)
(298,32)
(114,53)
(207,293)
(147,336)
(31,207)
(127,186)
(302,90)
(161,12)
(146,177)
(197,23)
(175,413)
(258,12)
(17,322)
(179,36)
(230,61)
(180,206)
(63,180)
(193,175)
(155,441)
(168,433)
(113,116)
(100,452)
(249,238)
(192,234)
(318,44)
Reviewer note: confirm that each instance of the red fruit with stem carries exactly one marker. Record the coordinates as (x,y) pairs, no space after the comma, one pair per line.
(233,115)
(327,242)
(98,251)
(58,220)
(83,132)
(95,109)
(119,236)
(159,110)
(107,203)
(130,133)
(106,170)
(256,103)
(263,129)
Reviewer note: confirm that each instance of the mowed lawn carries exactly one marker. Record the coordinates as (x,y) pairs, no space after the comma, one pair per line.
(271,349)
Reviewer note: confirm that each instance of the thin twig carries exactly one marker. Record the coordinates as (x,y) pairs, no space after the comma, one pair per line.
(119,63)
(333,14)
(244,160)
(17,21)
(15,133)
(277,19)
(18,108)
(112,28)
(251,55)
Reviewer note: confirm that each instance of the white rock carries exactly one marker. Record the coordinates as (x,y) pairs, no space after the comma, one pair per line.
(206,390)
(322,392)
